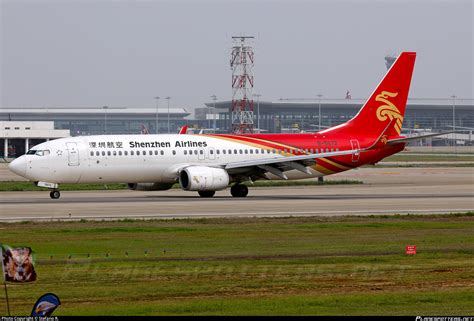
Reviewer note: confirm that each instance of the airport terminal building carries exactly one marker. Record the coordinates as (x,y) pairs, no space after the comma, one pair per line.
(281,116)
(21,128)
(98,121)
(288,115)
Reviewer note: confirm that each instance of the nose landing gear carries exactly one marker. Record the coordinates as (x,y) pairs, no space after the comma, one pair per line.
(54,195)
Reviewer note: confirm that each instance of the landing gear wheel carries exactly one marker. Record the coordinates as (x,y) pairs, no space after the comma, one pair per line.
(207,193)
(54,195)
(239,190)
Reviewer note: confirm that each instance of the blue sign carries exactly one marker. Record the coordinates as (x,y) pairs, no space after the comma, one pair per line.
(45,305)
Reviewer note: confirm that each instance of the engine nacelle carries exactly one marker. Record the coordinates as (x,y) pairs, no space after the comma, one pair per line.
(149,186)
(202,178)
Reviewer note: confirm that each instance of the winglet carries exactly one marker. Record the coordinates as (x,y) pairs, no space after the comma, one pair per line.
(183,130)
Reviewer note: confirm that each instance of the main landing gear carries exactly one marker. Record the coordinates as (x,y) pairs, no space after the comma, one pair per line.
(239,190)
(54,195)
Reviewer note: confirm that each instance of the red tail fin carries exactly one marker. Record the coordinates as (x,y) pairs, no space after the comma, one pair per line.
(387,102)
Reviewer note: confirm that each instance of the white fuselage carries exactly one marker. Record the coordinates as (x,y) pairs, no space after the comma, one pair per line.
(135,158)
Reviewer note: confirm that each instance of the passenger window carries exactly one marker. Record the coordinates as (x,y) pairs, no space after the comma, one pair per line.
(109,153)
(235,151)
(256,151)
(120,153)
(92,153)
(262,151)
(246,151)
(132,152)
(138,153)
(201,152)
(115,153)
(223,151)
(156,152)
(125,153)
(211,152)
(174,152)
(162,152)
(251,151)
(185,152)
(218,151)
(150,153)
(103,153)
(240,151)
(97,153)
(195,152)
(144,153)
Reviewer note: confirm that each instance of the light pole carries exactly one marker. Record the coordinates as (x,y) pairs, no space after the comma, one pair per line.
(454,120)
(319,117)
(105,118)
(156,115)
(258,111)
(214,98)
(168,98)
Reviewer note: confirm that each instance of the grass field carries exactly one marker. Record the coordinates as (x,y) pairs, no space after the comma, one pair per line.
(289,266)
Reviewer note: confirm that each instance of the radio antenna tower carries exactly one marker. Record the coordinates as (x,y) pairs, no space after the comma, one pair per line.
(241,64)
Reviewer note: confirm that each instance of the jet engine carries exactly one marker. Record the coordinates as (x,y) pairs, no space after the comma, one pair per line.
(202,178)
(149,186)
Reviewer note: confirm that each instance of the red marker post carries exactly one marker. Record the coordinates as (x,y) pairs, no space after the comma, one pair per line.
(410,250)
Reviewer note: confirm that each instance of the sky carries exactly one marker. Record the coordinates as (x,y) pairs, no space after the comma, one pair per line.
(124,53)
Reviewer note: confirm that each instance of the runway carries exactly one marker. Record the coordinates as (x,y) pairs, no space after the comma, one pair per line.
(386,191)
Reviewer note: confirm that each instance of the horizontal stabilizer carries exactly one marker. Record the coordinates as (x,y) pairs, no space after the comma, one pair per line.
(415,138)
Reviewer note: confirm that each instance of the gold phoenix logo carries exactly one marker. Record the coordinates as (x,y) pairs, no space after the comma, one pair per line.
(389,110)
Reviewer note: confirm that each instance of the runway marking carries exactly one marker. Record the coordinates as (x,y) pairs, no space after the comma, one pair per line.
(177,198)
(236,215)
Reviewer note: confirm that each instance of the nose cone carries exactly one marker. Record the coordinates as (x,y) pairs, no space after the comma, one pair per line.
(18,166)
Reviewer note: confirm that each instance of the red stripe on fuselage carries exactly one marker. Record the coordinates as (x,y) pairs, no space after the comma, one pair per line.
(314,141)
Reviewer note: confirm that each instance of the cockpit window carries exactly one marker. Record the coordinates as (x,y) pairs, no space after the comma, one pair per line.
(38,152)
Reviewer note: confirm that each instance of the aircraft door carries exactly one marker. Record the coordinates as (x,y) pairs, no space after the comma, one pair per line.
(355,145)
(73,154)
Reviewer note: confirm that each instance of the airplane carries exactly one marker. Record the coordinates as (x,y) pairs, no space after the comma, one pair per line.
(207,163)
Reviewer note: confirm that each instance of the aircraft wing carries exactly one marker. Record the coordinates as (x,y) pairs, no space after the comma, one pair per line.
(277,166)
(414,138)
